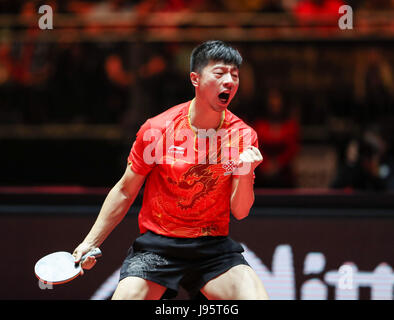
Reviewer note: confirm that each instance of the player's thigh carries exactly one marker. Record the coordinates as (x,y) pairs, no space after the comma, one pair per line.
(134,288)
(238,283)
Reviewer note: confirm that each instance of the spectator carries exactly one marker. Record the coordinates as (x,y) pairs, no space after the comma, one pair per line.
(374,86)
(252,6)
(8,112)
(350,174)
(274,6)
(376,5)
(278,134)
(307,11)
(365,164)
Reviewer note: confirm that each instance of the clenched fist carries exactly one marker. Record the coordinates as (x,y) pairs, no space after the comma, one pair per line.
(249,159)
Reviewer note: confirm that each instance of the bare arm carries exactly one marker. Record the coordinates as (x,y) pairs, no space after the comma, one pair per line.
(113,210)
(242,193)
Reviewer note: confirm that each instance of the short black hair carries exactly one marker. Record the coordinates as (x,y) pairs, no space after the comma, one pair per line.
(213,50)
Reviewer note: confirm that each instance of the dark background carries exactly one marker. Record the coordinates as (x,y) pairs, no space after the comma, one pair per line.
(353,229)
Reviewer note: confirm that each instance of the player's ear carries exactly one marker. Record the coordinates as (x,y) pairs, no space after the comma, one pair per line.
(195,78)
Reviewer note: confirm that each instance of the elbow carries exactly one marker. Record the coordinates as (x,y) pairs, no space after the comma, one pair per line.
(241,209)
(123,193)
(240,214)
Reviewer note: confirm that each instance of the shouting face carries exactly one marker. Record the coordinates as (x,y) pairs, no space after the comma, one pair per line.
(216,84)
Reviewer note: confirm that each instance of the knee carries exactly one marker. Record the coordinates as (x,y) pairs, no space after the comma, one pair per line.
(134,288)
(238,283)
(128,289)
(128,294)
(248,285)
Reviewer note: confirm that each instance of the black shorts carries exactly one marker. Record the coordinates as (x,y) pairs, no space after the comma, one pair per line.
(174,262)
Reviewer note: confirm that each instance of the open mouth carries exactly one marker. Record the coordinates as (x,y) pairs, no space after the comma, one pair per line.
(224,96)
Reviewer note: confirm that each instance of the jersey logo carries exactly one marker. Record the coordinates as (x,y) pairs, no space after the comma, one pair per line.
(229,166)
(175,149)
(199,177)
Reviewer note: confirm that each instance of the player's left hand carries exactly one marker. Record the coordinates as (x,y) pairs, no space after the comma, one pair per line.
(249,159)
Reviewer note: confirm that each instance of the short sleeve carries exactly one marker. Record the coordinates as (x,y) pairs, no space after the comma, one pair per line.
(141,156)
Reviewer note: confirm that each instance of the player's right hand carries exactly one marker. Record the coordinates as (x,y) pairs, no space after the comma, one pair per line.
(79,251)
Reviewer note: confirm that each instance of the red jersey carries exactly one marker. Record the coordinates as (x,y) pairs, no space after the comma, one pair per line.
(188,174)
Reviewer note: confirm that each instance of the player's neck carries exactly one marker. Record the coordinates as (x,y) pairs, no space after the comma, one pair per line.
(202,116)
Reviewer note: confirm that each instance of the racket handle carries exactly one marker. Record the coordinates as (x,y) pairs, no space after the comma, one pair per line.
(96,252)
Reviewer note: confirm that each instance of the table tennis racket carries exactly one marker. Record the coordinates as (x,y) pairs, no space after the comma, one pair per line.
(60,267)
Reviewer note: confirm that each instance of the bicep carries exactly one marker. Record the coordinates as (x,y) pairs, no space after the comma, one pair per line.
(131,182)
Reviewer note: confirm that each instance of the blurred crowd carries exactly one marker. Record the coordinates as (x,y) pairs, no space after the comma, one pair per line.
(283,89)
(292,6)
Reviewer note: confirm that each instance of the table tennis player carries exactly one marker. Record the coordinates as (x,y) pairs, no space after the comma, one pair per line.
(197,161)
